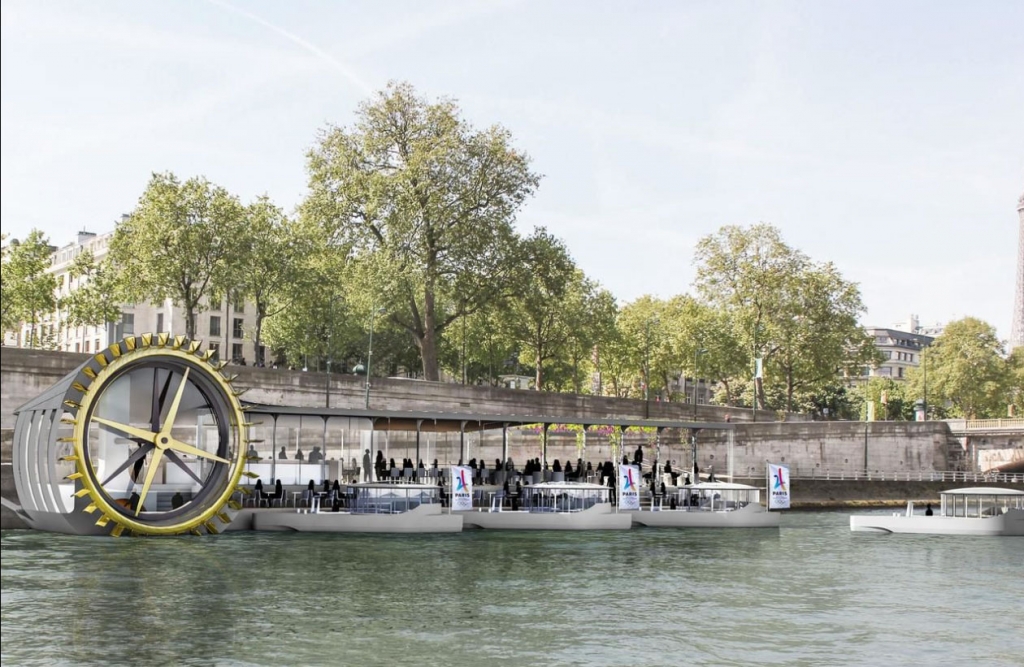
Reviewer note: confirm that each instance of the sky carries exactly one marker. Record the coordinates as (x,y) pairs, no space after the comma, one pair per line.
(886,137)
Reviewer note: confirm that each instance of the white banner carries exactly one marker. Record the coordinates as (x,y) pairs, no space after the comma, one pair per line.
(778,487)
(629,487)
(462,488)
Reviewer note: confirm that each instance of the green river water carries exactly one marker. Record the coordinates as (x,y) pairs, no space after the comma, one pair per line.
(809,593)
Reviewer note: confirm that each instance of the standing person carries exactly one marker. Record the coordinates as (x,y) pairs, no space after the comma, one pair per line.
(638,455)
(366,466)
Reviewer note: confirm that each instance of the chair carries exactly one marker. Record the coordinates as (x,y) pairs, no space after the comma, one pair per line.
(394,475)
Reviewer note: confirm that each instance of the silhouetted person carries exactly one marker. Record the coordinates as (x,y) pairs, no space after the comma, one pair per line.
(298,455)
(278,491)
(638,455)
(557,467)
(282,454)
(928,510)
(366,466)
(177,500)
(133,501)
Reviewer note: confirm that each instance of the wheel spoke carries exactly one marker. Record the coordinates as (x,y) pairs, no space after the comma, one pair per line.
(172,414)
(154,464)
(136,455)
(179,446)
(130,431)
(159,398)
(174,458)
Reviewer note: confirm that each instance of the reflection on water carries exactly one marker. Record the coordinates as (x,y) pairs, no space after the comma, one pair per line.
(809,593)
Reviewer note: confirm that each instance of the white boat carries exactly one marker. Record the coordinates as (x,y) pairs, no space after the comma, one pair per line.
(969,511)
(375,508)
(552,506)
(711,505)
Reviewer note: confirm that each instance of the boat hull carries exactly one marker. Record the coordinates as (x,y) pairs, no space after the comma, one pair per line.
(1010,523)
(599,517)
(422,519)
(752,516)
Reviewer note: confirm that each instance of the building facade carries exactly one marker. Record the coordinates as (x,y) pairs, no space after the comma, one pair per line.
(226,326)
(900,347)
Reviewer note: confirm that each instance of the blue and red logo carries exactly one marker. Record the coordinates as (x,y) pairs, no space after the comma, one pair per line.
(628,483)
(460,482)
(780,483)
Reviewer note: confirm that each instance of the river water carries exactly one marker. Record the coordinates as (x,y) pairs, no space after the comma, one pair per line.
(809,593)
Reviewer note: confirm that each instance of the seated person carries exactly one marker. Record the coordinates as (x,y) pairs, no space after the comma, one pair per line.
(299,455)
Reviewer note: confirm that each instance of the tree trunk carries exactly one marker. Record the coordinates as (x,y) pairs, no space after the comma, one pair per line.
(538,375)
(259,337)
(190,322)
(428,344)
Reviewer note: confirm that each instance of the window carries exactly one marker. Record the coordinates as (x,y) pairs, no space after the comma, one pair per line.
(236,353)
(86,346)
(96,345)
(127,324)
(236,328)
(215,348)
(239,303)
(159,322)
(78,347)
(214,325)
(899,371)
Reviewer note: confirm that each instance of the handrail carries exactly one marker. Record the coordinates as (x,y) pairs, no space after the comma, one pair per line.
(1008,423)
(908,476)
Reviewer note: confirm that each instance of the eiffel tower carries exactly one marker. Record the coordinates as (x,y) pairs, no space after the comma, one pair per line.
(1017,333)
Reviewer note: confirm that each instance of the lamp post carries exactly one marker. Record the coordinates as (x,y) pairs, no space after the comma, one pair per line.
(696,353)
(369,356)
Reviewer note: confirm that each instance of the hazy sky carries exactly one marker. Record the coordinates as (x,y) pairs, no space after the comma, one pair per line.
(887,137)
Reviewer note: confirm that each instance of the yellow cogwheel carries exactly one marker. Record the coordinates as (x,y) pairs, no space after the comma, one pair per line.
(159,437)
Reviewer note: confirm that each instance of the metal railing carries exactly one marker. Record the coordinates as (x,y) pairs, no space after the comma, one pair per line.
(950,476)
(1005,423)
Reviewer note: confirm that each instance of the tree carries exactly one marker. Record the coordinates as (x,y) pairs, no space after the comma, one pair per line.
(431,200)
(589,311)
(1015,385)
(93,301)
(966,367)
(799,317)
(269,252)
(706,345)
(891,399)
(180,242)
(535,317)
(28,286)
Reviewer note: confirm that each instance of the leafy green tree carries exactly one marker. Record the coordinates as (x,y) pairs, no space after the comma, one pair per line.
(967,369)
(431,200)
(270,250)
(93,300)
(1015,383)
(799,317)
(892,400)
(180,242)
(28,286)
(706,345)
(535,318)
(589,312)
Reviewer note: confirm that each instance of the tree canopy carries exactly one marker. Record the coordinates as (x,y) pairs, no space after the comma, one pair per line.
(430,200)
(180,242)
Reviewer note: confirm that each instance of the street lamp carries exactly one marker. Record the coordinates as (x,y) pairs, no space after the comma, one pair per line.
(369,355)
(696,371)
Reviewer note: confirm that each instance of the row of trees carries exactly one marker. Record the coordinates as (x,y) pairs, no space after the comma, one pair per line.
(408,231)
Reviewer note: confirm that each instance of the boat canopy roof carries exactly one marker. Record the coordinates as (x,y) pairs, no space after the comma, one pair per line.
(983,491)
(719,486)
